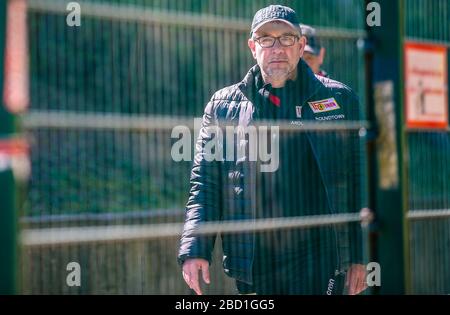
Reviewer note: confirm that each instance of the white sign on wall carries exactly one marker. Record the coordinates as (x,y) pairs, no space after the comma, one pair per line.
(426,84)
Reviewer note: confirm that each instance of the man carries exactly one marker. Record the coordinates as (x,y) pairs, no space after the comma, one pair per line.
(280,87)
(314,53)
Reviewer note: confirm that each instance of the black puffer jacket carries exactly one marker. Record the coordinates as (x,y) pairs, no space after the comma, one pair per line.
(225,190)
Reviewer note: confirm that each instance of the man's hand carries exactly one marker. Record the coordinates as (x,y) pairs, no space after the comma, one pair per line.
(191,267)
(356,279)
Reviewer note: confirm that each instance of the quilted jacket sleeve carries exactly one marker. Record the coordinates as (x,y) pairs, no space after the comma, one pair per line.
(204,202)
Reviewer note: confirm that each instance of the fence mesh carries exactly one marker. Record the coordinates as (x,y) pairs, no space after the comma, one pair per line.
(105,191)
(429,173)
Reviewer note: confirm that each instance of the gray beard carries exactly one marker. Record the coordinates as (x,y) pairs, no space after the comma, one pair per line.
(278,75)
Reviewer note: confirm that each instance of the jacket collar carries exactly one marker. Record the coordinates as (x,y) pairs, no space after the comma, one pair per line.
(306,82)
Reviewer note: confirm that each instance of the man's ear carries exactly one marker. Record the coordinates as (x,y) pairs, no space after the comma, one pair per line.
(252,46)
(302,42)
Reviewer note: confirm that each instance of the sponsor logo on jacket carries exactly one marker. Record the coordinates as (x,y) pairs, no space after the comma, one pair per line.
(325,105)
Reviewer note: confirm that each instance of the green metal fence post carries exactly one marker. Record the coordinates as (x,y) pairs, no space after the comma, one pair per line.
(8,243)
(391,195)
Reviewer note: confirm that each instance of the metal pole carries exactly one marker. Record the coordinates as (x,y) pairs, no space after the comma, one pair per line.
(8,230)
(392,247)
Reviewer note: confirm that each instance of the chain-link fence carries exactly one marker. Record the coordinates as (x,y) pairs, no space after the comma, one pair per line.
(105,96)
(429,174)
(106,192)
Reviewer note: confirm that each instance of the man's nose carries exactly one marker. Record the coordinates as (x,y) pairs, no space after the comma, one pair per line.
(277,47)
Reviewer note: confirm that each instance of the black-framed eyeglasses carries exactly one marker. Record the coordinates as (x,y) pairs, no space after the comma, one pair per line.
(269,41)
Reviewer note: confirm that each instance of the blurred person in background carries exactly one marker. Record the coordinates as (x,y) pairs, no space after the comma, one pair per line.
(311,178)
(314,53)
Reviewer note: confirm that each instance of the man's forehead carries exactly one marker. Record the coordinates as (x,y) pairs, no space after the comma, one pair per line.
(276,28)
